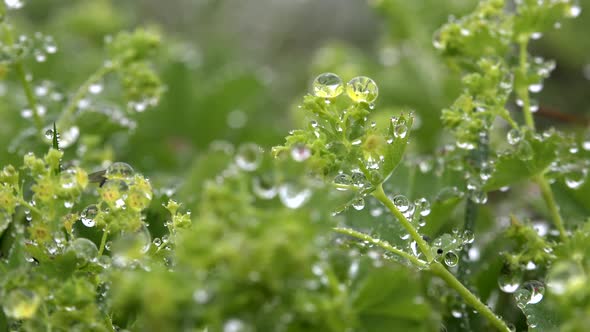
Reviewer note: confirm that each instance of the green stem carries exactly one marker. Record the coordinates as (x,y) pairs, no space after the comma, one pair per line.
(439,270)
(103,242)
(65,118)
(546,191)
(22,76)
(547,194)
(523,89)
(424,247)
(382,244)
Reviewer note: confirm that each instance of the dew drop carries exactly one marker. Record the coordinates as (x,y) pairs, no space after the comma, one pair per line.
(84,249)
(509,281)
(423,205)
(400,131)
(21,304)
(531,292)
(87,216)
(300,153)
(342,179)
(451,259)
(292,196)
(362,89)
(327,85)
(536,88)
(401,202)
(120,171)
(575,177)
(468,237)
(263,188)
(248,157)
(95,88)
(358,204)
(14,4)
(566,277)
(514,136)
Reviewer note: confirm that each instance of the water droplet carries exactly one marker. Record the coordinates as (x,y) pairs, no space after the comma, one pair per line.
(201,296)
(49,134)
(531,292)
(514,136)
(40,56)
(21,304)
(68,179)
(68,136)
(400,131)
(423,205)
(157,242)
(84,249)
(327,85)
(478,196)
(234,325)
(575,177)
(509,281)
(87,216)
(451,259)
(248,157)
(237,119)
(566,277)
(263,188)
(119,170)
(486,170)
(14,4)
(358,204)
(575,10)
(300,153)
(362,89)
(465,145)
(342,179)
(468,237)
(536,88)
(536,35)
(401,202)
(95,88)
(292,196)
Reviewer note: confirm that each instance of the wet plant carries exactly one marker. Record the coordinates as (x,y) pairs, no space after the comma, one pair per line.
(343,227)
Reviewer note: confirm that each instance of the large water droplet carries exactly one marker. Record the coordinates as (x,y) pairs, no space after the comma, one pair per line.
(263,188)
(575,177)
(401,202)
(293,196)
(423,205)
(21,304)
(327,85)
(451,259)
(531,292)
(362,89)
(249,157)
(119,170)
(514,136)
(358,204)
(566,277)
(84,249)
(509,281)
(87,216)
(342,179)
(300,153)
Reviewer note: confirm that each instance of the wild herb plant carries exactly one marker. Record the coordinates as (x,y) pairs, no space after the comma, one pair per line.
(328,232)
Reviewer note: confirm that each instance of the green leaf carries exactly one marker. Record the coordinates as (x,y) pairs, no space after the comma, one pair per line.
(395,151)
(386,300)
(520,165)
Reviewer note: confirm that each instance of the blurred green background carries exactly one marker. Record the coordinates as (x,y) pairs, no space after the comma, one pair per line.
(235,70)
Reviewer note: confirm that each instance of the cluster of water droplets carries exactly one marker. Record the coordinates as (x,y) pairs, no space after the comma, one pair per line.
(359,89)
(572,164)
(447,247)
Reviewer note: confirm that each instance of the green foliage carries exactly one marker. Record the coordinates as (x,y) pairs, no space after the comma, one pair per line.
(377,214)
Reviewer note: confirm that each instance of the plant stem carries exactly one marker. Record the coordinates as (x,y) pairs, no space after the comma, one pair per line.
(66,116)
(523,90)
(439,270)
(22,77)
(424,247)
(547,194)
(382,244)
(103,242)
(546,191)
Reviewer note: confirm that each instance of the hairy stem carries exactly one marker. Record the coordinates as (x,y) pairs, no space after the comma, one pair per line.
(523,90)
(382,244)
(546,191)
(424,247)
(65,119)
(439,270)
(103,242)
(547,194)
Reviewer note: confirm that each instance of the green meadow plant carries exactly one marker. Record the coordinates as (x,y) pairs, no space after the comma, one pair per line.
(327,232)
